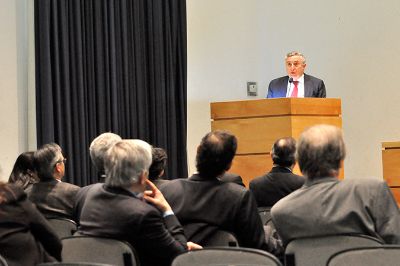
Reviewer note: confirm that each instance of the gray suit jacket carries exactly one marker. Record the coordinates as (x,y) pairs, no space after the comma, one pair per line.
(327,206)
(53,198)
(313,87)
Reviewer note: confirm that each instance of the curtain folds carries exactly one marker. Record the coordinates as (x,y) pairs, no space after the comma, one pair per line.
(118,66)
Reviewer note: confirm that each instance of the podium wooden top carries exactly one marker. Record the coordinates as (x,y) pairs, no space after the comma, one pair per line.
(391,145)
(276,107)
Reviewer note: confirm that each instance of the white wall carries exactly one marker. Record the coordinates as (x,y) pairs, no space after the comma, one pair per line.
(353,45)
(13,82)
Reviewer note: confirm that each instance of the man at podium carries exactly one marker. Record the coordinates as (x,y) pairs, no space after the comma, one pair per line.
(296,83)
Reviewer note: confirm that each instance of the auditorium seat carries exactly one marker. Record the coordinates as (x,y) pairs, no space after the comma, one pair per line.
(388,255)
(226,256)
(317,250)
(98,250)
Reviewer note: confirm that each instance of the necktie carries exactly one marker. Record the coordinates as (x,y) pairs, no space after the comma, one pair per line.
(295,89)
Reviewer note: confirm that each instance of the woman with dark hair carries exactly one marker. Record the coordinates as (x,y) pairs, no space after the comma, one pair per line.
(26,237)
(23,173)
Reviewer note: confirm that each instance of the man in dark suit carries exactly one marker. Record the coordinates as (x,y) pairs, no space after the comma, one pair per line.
(328,206)
(52,197)
(280,181)
(231,177)
(296,83)
(204,204)
(123,210)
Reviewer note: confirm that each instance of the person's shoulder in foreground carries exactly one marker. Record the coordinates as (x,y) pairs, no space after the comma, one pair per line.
(26,238)
(340,207)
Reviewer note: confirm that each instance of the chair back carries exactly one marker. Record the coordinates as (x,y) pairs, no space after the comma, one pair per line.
(317,250)
(72,264)
(226,256)
(221,239)
(64,227)
(98,250)
(265,214)
(388,255)
(3,261)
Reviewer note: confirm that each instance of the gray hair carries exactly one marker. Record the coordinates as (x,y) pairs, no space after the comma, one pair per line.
(45,158)
(295,53)
(320,151)
(126,161)
(99,147)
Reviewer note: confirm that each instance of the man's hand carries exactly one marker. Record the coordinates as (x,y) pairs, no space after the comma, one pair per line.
(155,197)
(192,246)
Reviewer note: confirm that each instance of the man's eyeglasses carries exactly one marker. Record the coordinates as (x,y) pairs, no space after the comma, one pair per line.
(61,161)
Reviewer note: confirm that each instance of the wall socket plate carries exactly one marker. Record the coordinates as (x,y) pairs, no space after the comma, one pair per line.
(251,88)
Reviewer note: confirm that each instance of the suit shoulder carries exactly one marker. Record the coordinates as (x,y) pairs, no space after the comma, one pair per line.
(280,79)
(312,78)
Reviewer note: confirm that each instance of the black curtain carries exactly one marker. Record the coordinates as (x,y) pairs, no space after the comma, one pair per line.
(119,66)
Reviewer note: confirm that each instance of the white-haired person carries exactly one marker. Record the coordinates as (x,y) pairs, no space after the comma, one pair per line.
(123,209)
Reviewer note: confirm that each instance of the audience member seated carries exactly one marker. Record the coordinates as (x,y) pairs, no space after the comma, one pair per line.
(26,238)
(98,149)
(280,181)
(23,173)
(52,197)
(118,208)
(156,171)
(328,206)
(204,204)
(231,177)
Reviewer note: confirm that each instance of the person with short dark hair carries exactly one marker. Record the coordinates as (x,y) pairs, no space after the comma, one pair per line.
(204,204)
(280,181)
(53,197)
(328,206)
(26,238)
(157,167)
(23,173)
(123,209)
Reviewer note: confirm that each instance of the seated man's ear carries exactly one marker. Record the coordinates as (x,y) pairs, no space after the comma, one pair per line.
(143,177)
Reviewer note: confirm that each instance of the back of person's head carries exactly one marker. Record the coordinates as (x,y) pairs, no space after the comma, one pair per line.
(215,153)
(23,172)
(126,161)
(45,160)
(99,147)
(320,151)
(159,161)
(283,152)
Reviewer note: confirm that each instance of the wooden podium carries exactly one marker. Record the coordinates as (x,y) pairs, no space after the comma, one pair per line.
(257,124)
(390,165)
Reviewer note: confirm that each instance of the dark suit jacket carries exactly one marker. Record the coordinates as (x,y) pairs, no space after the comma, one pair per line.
(273,186)
(231,177)
(201,204)
(26,238)
(313,87)
(327,206)
(116,213)
(53,198)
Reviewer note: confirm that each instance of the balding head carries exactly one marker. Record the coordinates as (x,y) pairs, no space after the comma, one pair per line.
(320,151)
(283,152)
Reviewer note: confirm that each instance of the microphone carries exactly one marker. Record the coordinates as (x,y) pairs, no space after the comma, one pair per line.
(290,80)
